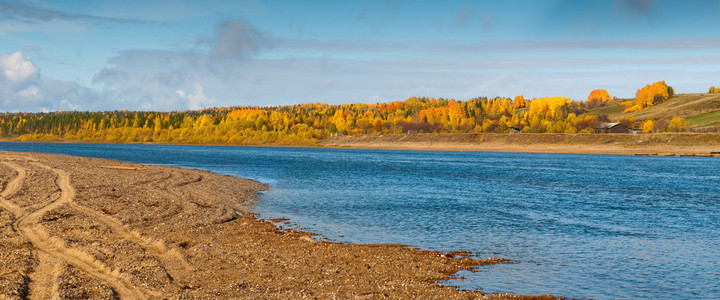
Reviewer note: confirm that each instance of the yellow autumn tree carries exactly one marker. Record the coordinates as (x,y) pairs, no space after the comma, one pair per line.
(677,124)
(648,126)
(301,123)
(650,95)
(519,102)
(553,108)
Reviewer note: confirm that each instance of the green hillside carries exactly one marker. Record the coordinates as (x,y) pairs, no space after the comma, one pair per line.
(702,111)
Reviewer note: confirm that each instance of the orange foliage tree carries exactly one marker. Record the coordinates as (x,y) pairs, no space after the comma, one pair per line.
(598,97)
(519,102)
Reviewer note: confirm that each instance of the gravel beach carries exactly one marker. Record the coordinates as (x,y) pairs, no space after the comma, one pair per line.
(79,228)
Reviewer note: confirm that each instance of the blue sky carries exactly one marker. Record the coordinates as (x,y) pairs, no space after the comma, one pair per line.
(177,55)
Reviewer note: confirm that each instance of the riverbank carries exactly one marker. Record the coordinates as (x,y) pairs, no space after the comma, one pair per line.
(663,144)
(690,144)
(76,228)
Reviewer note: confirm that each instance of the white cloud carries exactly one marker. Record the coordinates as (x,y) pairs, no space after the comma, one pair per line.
(165,80)
(195,100)
(177,80)
(67,105)
(23,89)
(236,66)
(31,92)
(18,68)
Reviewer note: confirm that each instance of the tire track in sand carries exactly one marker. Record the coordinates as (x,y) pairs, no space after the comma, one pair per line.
(173,262)
(28,225)
(11,188)
(43,281)
(43,278)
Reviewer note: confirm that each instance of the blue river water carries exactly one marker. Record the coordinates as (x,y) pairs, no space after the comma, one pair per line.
(580,226)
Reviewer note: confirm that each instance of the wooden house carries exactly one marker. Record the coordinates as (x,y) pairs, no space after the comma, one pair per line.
(612,128)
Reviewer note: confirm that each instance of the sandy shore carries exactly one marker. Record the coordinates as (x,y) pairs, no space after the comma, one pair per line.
(661,144)
(666,144)
(78,228)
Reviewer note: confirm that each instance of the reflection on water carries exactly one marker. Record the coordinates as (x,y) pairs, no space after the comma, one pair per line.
(585,226)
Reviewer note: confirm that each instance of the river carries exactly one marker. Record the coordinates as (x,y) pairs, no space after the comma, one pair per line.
(581,226)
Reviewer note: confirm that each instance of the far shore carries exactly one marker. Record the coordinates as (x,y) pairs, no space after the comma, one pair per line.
(661,144)
(687,144)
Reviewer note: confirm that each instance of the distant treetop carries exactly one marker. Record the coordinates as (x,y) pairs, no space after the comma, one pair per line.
(650,95)
(598,98)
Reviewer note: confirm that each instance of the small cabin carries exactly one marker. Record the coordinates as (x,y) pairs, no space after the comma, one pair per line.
(612,128)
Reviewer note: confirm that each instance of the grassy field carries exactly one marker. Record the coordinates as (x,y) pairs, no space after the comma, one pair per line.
(702,111)
(612,109)
(706,120)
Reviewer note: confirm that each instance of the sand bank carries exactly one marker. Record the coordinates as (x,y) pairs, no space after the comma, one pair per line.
(688,144)
(78,228)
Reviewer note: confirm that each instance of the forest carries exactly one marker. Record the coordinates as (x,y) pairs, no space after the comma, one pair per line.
(307,123)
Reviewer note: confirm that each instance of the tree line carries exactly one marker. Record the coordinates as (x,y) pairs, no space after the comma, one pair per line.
(306,123)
